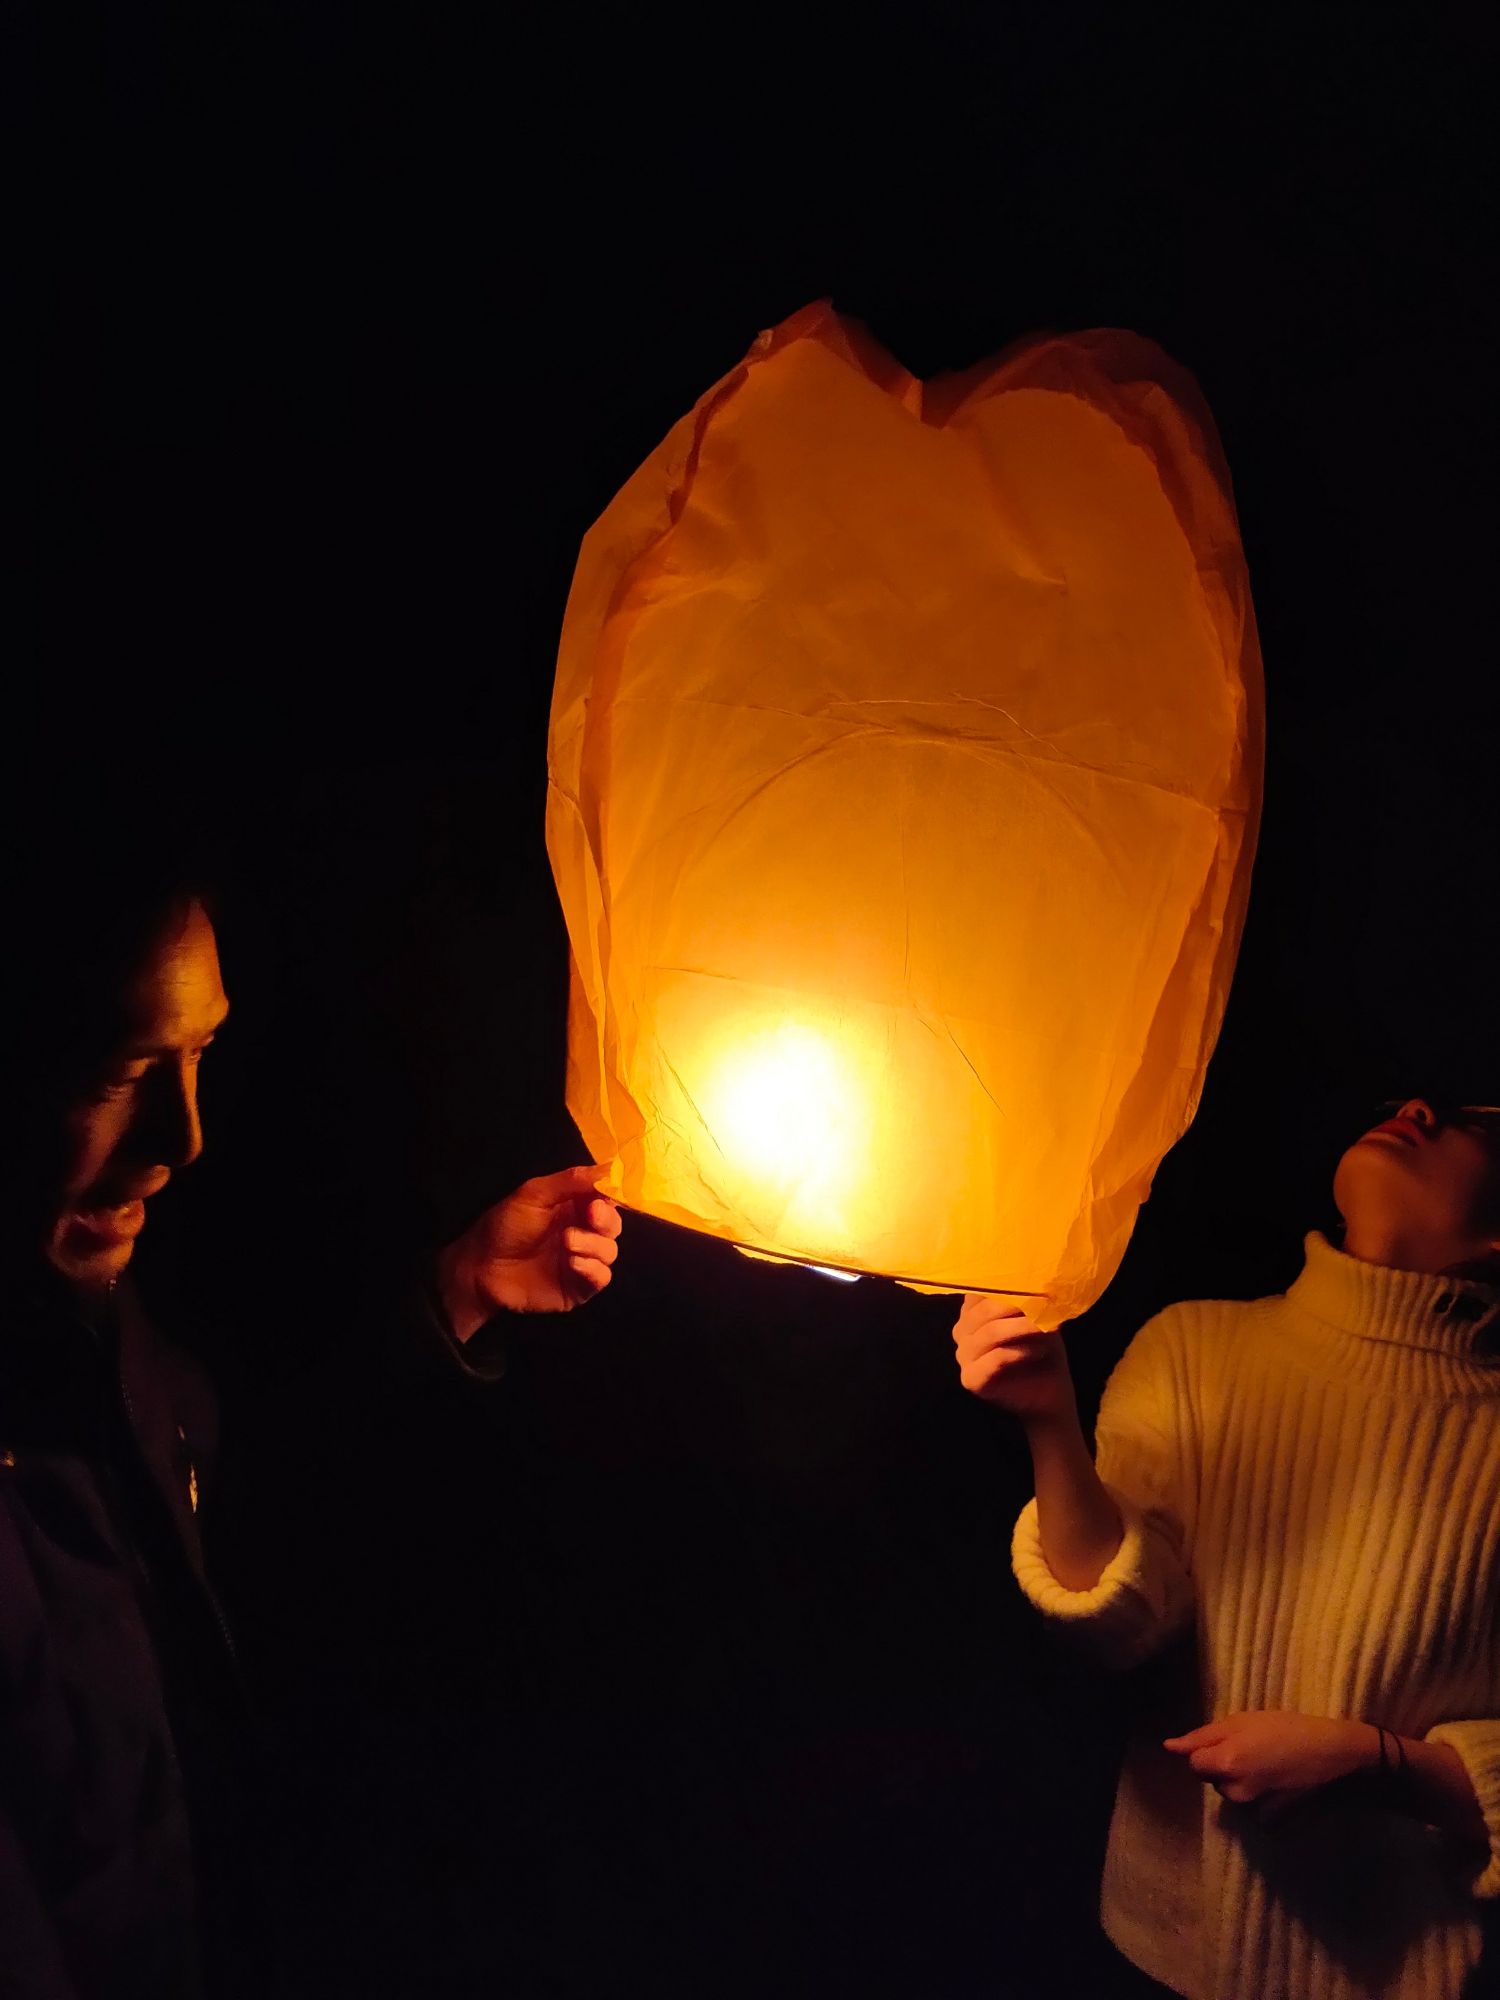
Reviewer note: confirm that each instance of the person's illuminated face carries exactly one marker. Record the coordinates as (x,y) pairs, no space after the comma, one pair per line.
(134,1118)
(1423,1187)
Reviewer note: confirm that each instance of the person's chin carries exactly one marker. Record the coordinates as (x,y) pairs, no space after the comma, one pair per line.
(1375,1146)
(100,1267)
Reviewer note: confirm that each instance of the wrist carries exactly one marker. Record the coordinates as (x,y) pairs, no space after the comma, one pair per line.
(1368,1746)
(458,1292)
(1051,1429)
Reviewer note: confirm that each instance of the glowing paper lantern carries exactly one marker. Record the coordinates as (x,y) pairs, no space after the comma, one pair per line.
(905,759)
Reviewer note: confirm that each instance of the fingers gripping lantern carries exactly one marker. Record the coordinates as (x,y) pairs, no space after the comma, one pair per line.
(904,775)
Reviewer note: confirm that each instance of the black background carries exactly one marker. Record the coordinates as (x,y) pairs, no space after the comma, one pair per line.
(688,1659)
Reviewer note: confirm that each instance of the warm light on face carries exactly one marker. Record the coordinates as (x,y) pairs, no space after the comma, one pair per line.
(790,1118)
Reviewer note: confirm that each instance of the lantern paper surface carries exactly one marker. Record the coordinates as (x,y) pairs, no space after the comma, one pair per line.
(904,776)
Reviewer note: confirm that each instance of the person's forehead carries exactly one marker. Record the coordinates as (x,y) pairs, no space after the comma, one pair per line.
(1481,1119)
(176,997)
(1485,1128)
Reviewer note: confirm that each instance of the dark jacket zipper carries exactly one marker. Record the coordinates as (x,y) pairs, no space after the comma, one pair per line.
(201,1583)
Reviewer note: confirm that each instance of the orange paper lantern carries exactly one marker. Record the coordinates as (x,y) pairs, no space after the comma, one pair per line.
(905,758)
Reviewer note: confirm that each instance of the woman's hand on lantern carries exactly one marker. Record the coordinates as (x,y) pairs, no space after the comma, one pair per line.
(1006,1359)
(547,1247)
(1271,1757)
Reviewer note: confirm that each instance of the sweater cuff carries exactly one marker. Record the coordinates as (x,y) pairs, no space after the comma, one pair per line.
(1478,1744)
(481,1356)
(1118,1615)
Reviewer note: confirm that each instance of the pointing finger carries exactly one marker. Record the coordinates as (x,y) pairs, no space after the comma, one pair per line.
(1195,1739)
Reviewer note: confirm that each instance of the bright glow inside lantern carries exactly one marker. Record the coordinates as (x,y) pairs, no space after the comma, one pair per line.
(904,764)
(790,1115)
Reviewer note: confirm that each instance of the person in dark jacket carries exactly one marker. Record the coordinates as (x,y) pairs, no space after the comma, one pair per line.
(128,1840)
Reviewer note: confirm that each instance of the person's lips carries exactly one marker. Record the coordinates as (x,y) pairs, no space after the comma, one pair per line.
(115,1223)
(1407,1130)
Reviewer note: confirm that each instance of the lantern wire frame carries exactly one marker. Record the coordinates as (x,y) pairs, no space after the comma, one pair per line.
(844,1275)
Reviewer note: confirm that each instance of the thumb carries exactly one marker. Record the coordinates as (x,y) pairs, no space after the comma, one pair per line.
(580,1181)
(567,1184)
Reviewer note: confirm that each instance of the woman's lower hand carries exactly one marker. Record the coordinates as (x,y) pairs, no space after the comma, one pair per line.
(1271,1756)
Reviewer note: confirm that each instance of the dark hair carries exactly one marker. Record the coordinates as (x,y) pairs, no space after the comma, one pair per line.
(94,871)
(95,867)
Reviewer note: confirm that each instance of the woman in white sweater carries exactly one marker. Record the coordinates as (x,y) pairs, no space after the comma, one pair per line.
(1306,1490)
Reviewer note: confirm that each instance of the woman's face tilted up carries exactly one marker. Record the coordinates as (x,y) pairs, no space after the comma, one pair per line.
(1421,1190)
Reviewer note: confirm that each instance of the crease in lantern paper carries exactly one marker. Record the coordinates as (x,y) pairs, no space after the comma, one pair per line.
(625,877)
(975,1068)
(1143,778)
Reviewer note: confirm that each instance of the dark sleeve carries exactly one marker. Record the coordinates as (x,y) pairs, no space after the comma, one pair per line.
(481,1357)
(31,1961)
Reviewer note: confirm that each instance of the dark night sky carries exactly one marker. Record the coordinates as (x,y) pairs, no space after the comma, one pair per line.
(354,321)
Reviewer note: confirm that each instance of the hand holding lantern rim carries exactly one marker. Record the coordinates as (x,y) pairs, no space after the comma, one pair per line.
(548,1246)
(1006,1359)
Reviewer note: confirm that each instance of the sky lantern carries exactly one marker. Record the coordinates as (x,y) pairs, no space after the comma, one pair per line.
(904,770)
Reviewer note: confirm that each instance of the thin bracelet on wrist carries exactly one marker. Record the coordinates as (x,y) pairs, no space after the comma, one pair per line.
(1393,1771)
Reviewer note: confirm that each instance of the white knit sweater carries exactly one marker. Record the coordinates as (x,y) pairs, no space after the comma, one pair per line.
(1311,1483)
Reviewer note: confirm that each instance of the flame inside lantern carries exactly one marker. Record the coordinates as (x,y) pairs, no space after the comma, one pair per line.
(788,1110)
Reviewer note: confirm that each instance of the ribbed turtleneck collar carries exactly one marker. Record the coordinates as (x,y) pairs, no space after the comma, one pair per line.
(1456,1317)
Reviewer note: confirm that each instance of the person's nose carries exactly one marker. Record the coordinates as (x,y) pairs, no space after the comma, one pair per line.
(174,1134)
(1420,1111)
